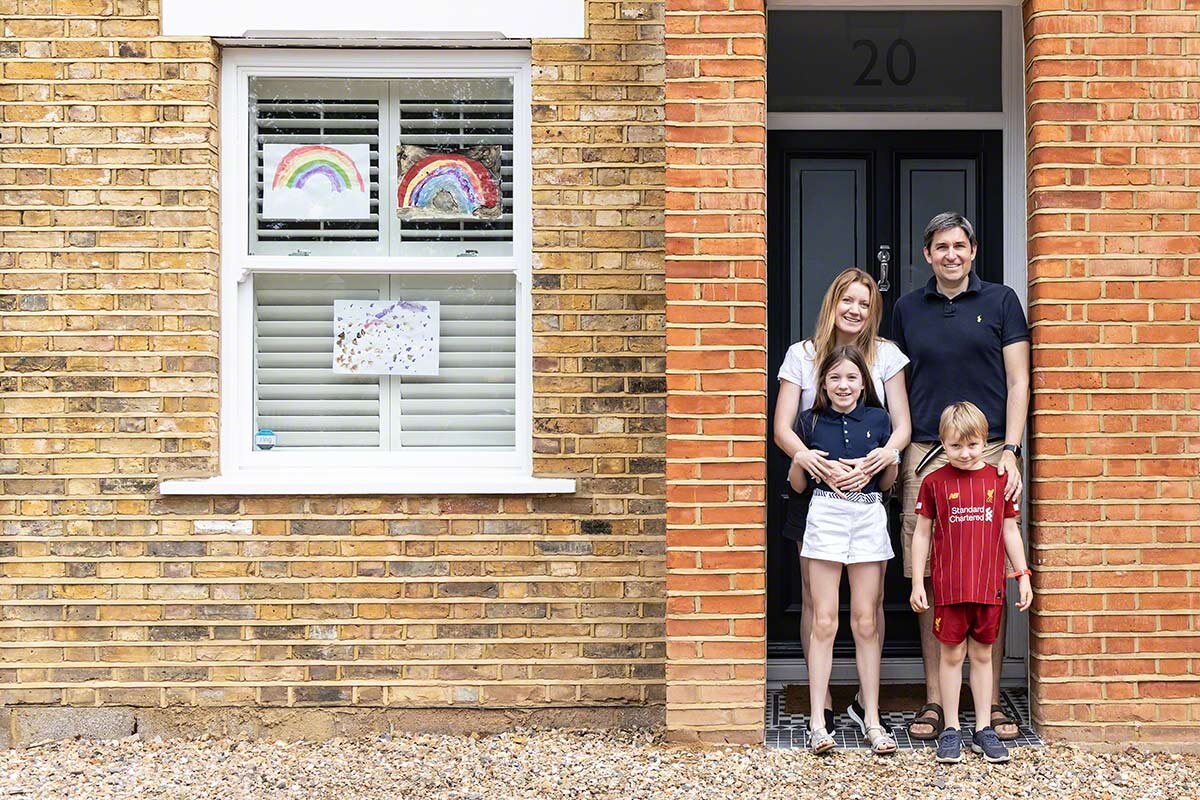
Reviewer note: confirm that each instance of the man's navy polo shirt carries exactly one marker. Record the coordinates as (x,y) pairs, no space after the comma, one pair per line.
(849,435)
(955,349)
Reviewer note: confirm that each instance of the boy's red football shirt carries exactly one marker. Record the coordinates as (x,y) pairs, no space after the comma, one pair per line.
(968,510)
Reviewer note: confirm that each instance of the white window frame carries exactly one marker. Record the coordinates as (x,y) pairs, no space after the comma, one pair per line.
(339,470)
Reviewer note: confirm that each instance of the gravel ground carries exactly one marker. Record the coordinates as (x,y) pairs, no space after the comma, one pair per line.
(565,764)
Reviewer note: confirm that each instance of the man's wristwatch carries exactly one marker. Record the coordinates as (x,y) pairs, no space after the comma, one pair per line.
(1015,449)
(896,450)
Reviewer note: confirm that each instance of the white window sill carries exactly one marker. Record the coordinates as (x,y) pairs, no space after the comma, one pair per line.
(352,482)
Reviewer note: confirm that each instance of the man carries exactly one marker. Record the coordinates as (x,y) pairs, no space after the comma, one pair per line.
(966,339)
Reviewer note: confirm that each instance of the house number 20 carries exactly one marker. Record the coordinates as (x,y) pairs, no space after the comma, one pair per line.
(889,60)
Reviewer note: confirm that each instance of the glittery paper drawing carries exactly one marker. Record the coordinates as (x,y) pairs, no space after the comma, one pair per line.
(448,184)
(386,337)
(316,181)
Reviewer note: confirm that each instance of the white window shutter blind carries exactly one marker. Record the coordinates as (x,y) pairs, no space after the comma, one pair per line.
(472,401)
(296,392)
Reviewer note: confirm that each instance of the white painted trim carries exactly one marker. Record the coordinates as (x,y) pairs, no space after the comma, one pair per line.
(362,482)
(371,19)
(409,468)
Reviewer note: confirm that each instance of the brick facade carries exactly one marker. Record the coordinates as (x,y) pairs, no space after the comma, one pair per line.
(113,595)
(643,594)
(1113,285)
(716,369)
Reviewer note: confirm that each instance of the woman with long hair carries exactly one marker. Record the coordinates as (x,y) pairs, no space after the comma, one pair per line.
(849,316)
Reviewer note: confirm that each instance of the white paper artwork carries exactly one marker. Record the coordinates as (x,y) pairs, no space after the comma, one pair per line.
(317,181)
(386,337)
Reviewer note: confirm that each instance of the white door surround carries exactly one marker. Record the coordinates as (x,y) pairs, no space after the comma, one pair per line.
(1011,122)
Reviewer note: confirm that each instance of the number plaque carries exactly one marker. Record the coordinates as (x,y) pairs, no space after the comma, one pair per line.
(884,61)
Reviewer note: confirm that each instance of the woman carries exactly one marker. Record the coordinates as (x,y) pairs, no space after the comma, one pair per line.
(849,316)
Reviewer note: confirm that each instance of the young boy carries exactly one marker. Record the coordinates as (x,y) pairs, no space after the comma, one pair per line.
(962,508)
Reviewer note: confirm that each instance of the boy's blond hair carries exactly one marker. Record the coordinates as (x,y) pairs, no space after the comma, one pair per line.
(962,422)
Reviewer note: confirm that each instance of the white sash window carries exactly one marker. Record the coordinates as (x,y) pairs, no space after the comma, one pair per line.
(465,428)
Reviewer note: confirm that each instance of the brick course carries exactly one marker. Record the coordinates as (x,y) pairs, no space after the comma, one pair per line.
(716,369)
(1113,282)
(112,595)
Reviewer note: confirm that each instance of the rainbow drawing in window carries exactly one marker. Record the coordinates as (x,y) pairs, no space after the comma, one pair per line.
(316,181)
(438,185)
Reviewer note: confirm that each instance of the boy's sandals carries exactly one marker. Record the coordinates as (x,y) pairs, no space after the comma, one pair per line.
(882,743)
(932,716)
(820,741)
(1006,727)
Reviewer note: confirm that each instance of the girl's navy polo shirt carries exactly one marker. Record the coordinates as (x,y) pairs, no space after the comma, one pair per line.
(849,435)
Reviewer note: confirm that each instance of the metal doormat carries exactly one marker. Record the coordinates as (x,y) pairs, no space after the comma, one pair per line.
(786,730)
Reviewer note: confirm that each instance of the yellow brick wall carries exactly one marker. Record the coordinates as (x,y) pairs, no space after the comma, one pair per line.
(113,595)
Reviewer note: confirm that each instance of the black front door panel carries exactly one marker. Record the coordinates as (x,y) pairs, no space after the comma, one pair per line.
(835,200)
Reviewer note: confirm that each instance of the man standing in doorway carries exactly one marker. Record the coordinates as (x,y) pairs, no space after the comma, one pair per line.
(966,339)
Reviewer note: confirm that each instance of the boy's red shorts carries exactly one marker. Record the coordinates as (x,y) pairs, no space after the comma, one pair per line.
(952,623)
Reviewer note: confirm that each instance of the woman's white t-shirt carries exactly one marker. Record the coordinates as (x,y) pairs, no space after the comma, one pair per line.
(799,367)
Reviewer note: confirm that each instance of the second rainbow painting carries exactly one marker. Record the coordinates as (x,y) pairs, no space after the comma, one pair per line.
(437,185)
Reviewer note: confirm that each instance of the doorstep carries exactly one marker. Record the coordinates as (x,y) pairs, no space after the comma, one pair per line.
(784,730)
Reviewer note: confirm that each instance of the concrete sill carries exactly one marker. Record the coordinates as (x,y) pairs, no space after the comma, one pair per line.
(352,482)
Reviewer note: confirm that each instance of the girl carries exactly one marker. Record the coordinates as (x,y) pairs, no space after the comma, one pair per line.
(849,315)
(845,528)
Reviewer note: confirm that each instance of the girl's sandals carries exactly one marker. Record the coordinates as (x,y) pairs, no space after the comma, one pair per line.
(819,741)
(931,715)
(882,743)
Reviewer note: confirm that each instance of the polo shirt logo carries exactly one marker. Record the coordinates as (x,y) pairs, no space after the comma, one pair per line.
(991,495)
(979,318)
(953,496)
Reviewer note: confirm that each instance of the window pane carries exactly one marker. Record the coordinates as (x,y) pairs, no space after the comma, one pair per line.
(469,403)
(297,395)
(472,400)
(884,61)
(289,114)
(310,134)
(457,116)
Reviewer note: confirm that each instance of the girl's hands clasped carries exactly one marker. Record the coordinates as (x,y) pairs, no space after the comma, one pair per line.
(816,463)
(861,470)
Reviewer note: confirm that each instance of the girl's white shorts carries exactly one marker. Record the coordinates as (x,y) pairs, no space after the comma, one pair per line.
(847,531)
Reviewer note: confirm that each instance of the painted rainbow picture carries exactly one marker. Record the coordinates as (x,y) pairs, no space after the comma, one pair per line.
(449,184)
(331,163)
(316,181)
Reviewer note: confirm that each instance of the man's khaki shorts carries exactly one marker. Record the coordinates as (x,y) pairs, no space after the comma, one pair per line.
(911,486)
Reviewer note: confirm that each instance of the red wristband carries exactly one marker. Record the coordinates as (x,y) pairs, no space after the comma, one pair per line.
(1018,573)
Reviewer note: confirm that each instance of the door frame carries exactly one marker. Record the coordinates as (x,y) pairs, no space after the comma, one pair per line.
(1011,123)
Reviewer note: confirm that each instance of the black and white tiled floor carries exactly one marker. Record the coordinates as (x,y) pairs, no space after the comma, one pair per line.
(786,730)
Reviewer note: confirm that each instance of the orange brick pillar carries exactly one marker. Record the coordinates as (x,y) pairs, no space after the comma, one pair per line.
(716,369)
(1114,215)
